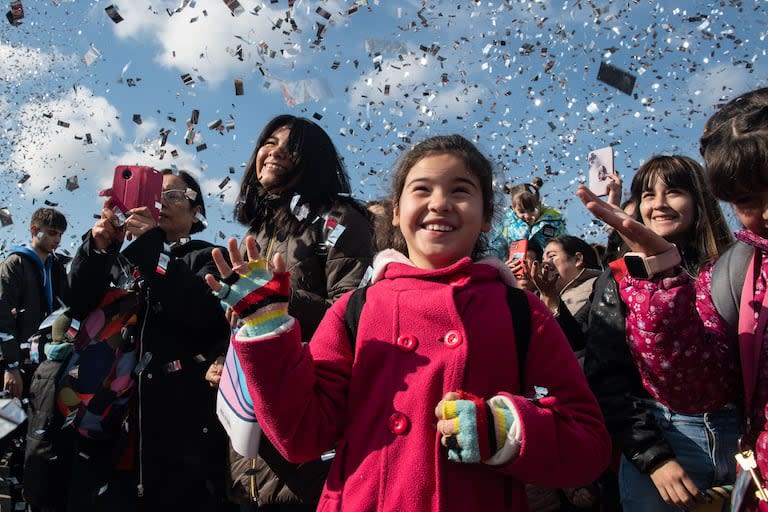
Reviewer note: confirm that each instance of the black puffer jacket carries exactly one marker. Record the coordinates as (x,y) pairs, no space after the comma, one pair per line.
(21,287)
(183,446)
(322,269)
(614,379)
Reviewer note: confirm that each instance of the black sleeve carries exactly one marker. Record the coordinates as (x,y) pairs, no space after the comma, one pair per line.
(345,266)
(180,290)
(11,289)
(571,328)
(615,381)
(89,276)
(181,277)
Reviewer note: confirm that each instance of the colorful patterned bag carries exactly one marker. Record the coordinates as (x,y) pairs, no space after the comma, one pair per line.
(98,380)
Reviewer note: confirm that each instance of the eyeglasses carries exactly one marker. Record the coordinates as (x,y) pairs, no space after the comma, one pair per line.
(176,195)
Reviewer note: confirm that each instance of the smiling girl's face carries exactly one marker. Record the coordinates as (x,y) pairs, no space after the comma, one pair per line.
(275,167)
(440,211)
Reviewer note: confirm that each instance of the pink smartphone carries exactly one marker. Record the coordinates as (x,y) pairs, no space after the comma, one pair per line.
(134,186)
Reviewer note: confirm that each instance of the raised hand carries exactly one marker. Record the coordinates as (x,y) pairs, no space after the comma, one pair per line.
(256,295)
(138,222)
(108,229)
(639,238)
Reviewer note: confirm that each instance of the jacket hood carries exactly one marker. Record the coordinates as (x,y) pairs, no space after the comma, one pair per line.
(27,251)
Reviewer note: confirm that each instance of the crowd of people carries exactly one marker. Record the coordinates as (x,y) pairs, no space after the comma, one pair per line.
(439,350)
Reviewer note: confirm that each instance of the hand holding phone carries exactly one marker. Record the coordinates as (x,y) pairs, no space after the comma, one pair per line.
(134,186)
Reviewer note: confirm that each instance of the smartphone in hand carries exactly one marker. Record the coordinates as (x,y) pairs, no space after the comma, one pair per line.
(517,252)
(600,167)
(134,186)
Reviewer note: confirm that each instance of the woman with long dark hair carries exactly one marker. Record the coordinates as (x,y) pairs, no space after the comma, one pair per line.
(295,200)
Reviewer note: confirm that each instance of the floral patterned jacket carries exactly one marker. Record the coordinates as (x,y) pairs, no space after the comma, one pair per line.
(687,358)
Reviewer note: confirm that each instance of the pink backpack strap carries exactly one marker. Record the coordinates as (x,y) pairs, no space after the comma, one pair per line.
(750,332)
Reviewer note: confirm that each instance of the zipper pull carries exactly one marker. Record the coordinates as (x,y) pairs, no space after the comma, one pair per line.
(746,460)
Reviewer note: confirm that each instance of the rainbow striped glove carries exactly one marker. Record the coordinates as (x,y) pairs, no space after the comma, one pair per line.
(259,297)
(481,428)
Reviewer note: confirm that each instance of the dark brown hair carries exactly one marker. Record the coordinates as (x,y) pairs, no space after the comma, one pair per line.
(573,244)
(735,146)
(48,218)
(526,195)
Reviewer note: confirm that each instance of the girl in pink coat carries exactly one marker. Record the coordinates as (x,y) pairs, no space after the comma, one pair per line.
(672,305)
(424,407)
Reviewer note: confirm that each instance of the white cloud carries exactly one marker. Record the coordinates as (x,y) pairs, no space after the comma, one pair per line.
(205,48)
(46,149)
(718,83)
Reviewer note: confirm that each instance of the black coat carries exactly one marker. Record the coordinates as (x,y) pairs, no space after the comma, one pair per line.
(615,380)
(182,442)
(21,287)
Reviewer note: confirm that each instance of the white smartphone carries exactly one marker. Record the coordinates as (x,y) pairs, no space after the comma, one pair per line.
(600,167)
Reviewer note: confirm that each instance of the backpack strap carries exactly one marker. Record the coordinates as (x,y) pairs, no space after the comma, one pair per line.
(352,315)
(521,324)
(516,300)
(728,276)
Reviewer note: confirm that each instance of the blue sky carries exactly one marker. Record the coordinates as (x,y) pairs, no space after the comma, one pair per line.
(518,78)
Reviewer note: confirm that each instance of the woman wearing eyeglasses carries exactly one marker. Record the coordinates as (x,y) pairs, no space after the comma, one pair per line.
(175,448)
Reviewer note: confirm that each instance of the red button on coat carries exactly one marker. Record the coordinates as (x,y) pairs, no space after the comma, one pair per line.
(407,343)
(453,339)
(398,423)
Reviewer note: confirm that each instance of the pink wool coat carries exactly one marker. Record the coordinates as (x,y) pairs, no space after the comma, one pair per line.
(422,334)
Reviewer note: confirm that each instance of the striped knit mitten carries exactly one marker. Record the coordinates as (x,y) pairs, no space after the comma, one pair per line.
(481,428)
(259,297)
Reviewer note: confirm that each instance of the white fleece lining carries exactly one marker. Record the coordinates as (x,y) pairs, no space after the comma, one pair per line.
(242,333)
(511,448)
(387,256)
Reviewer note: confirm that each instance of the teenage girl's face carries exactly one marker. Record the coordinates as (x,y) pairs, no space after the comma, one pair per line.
(752,210)
(668,212)
(275,169)
(440,211)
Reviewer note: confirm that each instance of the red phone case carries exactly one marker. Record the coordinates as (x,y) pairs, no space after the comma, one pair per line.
(134,186)
(517,249)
